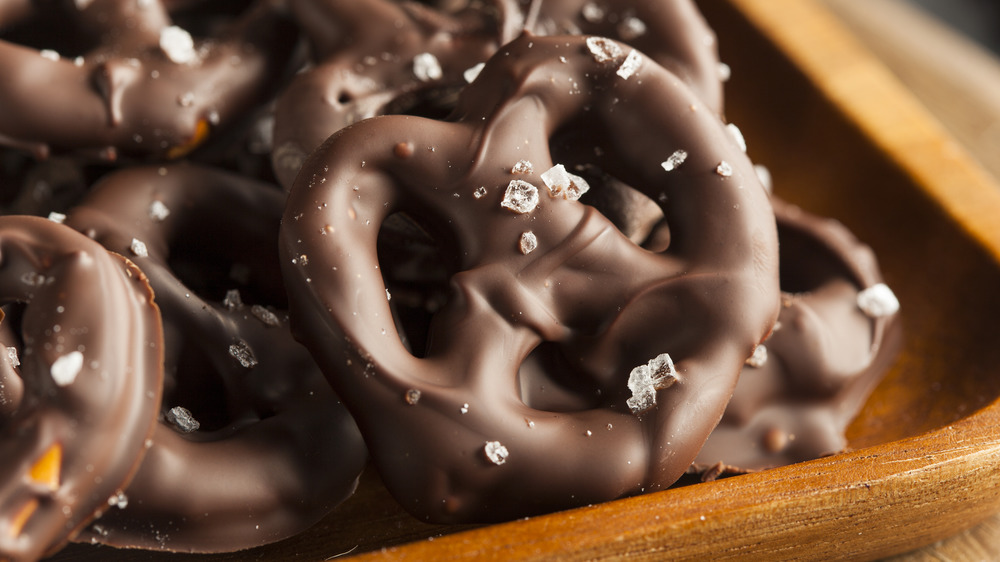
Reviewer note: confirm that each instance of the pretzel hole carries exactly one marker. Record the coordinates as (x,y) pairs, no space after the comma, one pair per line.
(814,264)
(416,271)
(193,382)
(637,216)
(432,103)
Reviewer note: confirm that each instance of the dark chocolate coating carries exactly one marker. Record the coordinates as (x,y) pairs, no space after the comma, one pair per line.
(90,365)
(365,56)
(587,296)
(823,359)
(276,449)
(125,95)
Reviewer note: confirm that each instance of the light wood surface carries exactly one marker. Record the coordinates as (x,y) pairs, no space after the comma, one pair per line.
(845,138)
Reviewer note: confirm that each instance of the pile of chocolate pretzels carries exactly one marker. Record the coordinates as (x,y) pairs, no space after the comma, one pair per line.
(507,253)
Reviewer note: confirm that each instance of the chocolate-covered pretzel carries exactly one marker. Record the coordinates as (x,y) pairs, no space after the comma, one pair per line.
(458,428)
(81,369)
(834,340)
(388,56)
(252,445)
(126,80)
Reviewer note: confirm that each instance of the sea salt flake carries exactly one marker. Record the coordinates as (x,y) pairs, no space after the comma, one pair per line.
(592,12)
(878,301)
(178,45)
(496,452)
(50,55)
(181,418)
(465,408)
(66,368)
(472,73)
(522,167)
(725,72)
(759,357)
(57,217)
(426,67)
(119,500)
(724,169)
(528,242)
(520,197)
(631,27)
(265,316)
(240,350)
(764,175)
(12,357)
(737,135)
(675,160)
(412,396)
(657,374)
(232,300)
(158,211)
(604,49)
(138,248)
(561,182)
(479,193)
(631,64)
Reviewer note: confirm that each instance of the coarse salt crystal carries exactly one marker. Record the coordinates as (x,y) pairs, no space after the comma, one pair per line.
(49,54)
(158,211)
(657,374)
(182,419)
(57,217)
(604,49)
(138,248)
(725,72)
(630,65)
(426,67)
(561,182)
(878,301)
(265,316)
(66,368)
(528,242)
(412,396)
(674,160)
(522,167)
(12,357)
(472,73)
(759,357)
(520,197)
(724,169)
(240,350)
(631,27)
(496,452)
(178,45)
(737,135)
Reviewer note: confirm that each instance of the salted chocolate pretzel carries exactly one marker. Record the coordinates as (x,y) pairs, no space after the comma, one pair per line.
(81,370)
(536,281)
(836,336)
(390,56)
(124,79)
(252,445)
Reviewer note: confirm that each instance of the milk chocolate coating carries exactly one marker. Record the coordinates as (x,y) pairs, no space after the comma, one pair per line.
(366,56)
(823,359)
(587,297)
(89,351)
(276,450)
(125,96)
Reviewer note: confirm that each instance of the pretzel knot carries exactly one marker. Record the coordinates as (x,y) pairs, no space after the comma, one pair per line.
(127,80)
(537,282)
(246,409)
(384,56)
(82,359)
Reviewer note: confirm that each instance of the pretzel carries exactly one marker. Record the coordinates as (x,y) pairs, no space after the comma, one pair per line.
(388,56)
(82,360)
(459,430)
(252,444)
(837,335)
(145,88)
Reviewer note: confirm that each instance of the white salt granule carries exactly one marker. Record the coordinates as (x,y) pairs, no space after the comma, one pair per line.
(560,182)
(57,217)
(878,301)
(630,65)
(181,418)
(674,160)
(232,300)
(496,452)
(119,500)
(158,211)
(479,193)
(138,248)
(604,49)
(522,167)
(412,396)
(737,135)
(240,350)
(528,242)
(631,27)
(724,169)
(645,380)
(178,45)
(759,357)
(592,12)
(725,72)
(49,54)
(66,368)
(520,197)
(12,357)
(426,67)
(472,73)
(265,316)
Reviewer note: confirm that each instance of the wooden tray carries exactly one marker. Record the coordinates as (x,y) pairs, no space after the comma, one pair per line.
(842,138)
